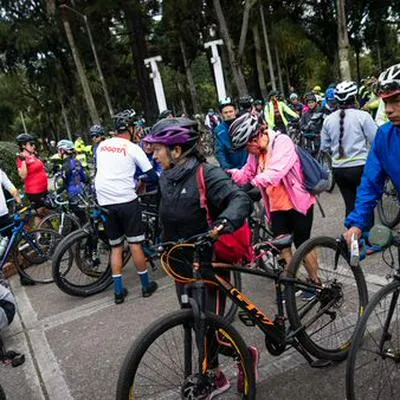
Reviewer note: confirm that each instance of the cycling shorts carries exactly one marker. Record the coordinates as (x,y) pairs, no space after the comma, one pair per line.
(124,221)
(37,199)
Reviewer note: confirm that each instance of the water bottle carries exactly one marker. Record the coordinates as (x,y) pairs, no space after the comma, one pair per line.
(3,245)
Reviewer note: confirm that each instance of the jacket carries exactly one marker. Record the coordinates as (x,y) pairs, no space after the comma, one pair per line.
(284,166)
(227,156)
(269,113)
(382,162)
(180,213)
(74,177)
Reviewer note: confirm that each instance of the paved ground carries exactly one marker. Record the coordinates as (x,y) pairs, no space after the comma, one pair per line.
(74,347)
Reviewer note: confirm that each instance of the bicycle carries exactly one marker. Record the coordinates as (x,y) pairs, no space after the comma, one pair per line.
(169,359)
(36,248)
(372,370)
(389,205)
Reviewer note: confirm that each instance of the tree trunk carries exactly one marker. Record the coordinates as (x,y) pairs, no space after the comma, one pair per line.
(245,26)
(268,49)
(81,70)
(189,76)
(260,72)
(182,96)
(236,69)
(65,118)
(279,69)
(343,42)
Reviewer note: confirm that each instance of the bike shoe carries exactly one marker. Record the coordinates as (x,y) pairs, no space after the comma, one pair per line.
(150,289)
(120,298)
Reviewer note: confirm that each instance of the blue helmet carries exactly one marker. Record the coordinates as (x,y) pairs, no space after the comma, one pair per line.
(330,94)
(96,130)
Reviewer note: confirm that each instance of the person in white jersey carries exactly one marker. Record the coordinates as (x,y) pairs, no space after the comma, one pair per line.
(116,161)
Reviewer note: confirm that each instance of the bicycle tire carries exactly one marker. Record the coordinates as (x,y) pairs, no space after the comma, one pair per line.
(389,213)
(334,342)
(37,267)
(361,350)
(63,223)
(141,350)
(77,275)
(2,394)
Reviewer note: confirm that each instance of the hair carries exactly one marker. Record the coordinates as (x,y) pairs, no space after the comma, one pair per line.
(194,150)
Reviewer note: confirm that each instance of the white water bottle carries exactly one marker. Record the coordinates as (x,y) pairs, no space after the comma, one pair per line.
(3,245)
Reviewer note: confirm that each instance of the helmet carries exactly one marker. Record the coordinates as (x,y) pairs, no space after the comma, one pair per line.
(389,82)
(243,129)
(273,93)
(66,145)
(330,94)
(226,102)
(317,88)
(172,131)
(124,119)
(310,96)
(245,102)
(25,138)
(96,130)
(293,96)
(345,91)
(258,102)
(165,114)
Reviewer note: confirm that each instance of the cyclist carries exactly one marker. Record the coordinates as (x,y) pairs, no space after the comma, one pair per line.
(117,160)
(318,91)
(295,103)
(227,156)
(382,160)
(212,120)
(329,105)
(274,167)
(348,133)
(166,114)
(258,106)
(32,171)
(276,113)
(73,177)
(245,104)
(97,133)
(181,216)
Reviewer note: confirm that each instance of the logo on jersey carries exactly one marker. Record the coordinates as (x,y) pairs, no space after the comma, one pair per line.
(114,149)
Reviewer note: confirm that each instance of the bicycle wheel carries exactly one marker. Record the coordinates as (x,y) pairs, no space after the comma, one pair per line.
(37,248)
(63,223)
(326,317)
(373,367)
(389,205)
(81,264)
(163,361)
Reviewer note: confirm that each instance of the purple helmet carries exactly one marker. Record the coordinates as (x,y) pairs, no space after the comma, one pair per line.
(172,131)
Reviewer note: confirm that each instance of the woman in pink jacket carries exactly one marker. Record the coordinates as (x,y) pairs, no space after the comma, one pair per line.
(274,167)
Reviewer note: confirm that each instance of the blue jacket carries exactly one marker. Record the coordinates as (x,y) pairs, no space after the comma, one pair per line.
(227,157)
(383,161)
(74,177)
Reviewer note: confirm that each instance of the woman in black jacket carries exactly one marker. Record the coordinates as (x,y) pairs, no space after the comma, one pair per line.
(181,216)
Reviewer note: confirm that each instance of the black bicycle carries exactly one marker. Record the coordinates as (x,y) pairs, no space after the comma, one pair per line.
(389,205)
(176,356)
(373,366)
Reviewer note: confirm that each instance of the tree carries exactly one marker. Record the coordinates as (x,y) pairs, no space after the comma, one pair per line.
(343,42)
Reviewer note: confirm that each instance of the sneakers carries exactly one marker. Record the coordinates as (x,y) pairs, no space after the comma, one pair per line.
(255,356)
(120,298)
(308,295)
(149,290)
(219,384)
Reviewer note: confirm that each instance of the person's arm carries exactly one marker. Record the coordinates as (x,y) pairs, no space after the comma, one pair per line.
(225,195)
(287,110)
(282,160)
(144,164)
(22,168)
(8,185)
(369,128)
(369,191)
(246,173)
(220,152)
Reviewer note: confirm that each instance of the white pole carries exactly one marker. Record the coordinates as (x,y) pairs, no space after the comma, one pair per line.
(158,86)
(217,65)
(23,121)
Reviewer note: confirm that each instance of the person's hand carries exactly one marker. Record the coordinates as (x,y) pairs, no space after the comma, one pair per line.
(21,157)
(349,233)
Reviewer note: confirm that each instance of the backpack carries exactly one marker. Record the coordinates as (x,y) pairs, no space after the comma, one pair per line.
(317,179)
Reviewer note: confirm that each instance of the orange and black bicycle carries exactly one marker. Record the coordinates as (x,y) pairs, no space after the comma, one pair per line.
(176,356)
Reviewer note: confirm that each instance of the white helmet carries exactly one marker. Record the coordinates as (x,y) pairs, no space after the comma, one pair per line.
(66,145)
(389,82)
(345,91)
(243,129)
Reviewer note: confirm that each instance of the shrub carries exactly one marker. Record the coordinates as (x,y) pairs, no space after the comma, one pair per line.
(8,151)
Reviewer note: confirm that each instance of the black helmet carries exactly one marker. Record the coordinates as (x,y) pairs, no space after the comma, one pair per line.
(25,138)
(258,102)
(310,96)
(273,93)
(245,102)
(124,119)
(166,114)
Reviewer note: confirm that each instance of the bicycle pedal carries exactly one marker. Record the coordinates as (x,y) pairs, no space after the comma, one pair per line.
(246,319)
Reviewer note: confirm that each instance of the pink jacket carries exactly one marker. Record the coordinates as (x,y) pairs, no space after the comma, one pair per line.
(284,165)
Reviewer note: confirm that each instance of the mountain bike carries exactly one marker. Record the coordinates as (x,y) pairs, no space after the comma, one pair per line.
(35,247)
(373,365)
(389,205)
(176,356)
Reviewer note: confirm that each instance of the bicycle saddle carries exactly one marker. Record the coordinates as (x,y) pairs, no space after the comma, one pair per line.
(281,242)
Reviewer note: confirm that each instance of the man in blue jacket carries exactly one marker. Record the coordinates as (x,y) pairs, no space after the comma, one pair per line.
(226,155)
(384,158)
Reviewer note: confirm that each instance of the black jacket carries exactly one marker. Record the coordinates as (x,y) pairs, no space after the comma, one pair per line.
(180,213)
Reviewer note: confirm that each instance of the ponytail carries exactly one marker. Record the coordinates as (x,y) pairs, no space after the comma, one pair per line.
(341,130)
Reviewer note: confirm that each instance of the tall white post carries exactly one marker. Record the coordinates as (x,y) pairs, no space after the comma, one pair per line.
(158,86)
(217,65)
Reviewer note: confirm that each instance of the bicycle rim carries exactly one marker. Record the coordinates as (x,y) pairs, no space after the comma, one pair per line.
(325,317)
(163,363)
(373,368)
(62,223)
